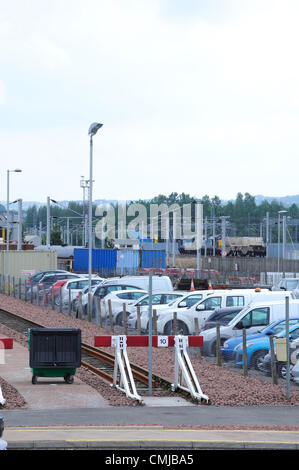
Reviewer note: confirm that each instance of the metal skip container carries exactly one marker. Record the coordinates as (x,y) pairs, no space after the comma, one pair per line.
(103,260)
(54,352)
(127,261)
(153,259)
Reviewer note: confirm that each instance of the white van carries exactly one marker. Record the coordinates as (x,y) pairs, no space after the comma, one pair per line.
(253,317)
(159,283)
(203,309)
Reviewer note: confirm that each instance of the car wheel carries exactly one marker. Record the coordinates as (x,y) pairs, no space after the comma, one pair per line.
(257,359)
(282,369)
(182,329)
(213,347)
(119,319)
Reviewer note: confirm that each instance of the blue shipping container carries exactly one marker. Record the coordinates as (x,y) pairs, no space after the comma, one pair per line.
(103,260)
(127,260)
(153,259)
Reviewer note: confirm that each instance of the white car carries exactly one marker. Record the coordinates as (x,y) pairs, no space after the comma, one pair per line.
(72,288)
(177,305)
(118,298)
(75,303)
(159,300)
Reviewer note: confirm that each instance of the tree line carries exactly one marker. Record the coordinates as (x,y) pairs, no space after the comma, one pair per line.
(244,216)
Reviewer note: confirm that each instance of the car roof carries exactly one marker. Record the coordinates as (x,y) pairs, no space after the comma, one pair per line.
(61,274)
(115,292)
(103,284)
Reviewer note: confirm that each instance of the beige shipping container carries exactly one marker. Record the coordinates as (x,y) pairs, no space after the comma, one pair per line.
(24,263)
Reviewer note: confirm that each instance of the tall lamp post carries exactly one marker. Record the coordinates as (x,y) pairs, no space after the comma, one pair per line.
(7,222)
(93,129)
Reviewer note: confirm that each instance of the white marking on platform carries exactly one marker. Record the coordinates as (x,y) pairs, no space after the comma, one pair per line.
(166,401)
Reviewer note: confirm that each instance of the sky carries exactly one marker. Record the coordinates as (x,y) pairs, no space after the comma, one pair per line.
(195,96)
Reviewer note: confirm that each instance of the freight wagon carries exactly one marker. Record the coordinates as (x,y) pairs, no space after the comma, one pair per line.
(234,246)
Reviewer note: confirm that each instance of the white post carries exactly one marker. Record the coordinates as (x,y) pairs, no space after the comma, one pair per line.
(19,224)
(174,241)
(48,240)
(198,235)
(7,227)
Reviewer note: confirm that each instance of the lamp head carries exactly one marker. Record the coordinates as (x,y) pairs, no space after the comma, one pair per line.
(93,128)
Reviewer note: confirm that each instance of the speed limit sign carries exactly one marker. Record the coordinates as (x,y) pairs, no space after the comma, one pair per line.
(162,341)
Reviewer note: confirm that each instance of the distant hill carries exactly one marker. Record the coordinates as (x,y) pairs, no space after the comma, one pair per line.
(285,200)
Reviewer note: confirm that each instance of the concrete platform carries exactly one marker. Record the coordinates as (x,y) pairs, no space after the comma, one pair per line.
(48,393)
(154,437)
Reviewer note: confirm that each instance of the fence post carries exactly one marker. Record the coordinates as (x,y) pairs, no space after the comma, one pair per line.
(45,298)
(99,311)
(80,313)
(31,292)
(245,369)
(60,299)
(20,288)
(37,292)
(273,362)
(154,322)
(125,319)
(8,287)
(70,302)
(218,345)
(138,320)
(110,316)
(52,299)
(174,323)
(25,290)
(196,327)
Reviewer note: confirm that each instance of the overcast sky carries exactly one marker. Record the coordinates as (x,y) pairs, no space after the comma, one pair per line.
(196,96)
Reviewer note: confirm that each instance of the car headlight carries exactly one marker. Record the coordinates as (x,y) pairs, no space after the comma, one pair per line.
(225,345)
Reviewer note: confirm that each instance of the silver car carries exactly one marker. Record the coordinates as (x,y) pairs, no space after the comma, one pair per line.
(295,373)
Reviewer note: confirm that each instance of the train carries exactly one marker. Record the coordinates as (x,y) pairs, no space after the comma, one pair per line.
(250,247)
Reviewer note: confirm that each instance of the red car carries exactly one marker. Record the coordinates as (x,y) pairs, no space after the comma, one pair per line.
(55,289)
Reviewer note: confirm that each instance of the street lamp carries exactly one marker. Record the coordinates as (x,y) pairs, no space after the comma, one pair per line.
(93,129)
(17,170)
(278,239)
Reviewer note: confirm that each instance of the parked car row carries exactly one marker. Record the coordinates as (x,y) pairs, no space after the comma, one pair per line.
(260,311)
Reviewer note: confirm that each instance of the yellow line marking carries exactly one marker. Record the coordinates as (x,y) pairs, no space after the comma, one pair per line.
(183,440)
(160,430)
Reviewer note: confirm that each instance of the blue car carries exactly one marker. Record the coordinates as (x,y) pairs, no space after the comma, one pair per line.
(257,348)
(275,327)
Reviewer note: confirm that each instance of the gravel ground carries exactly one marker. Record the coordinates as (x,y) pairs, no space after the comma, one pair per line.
(223,385)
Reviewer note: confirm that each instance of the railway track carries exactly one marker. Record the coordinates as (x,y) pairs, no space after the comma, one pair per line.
(96,360)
